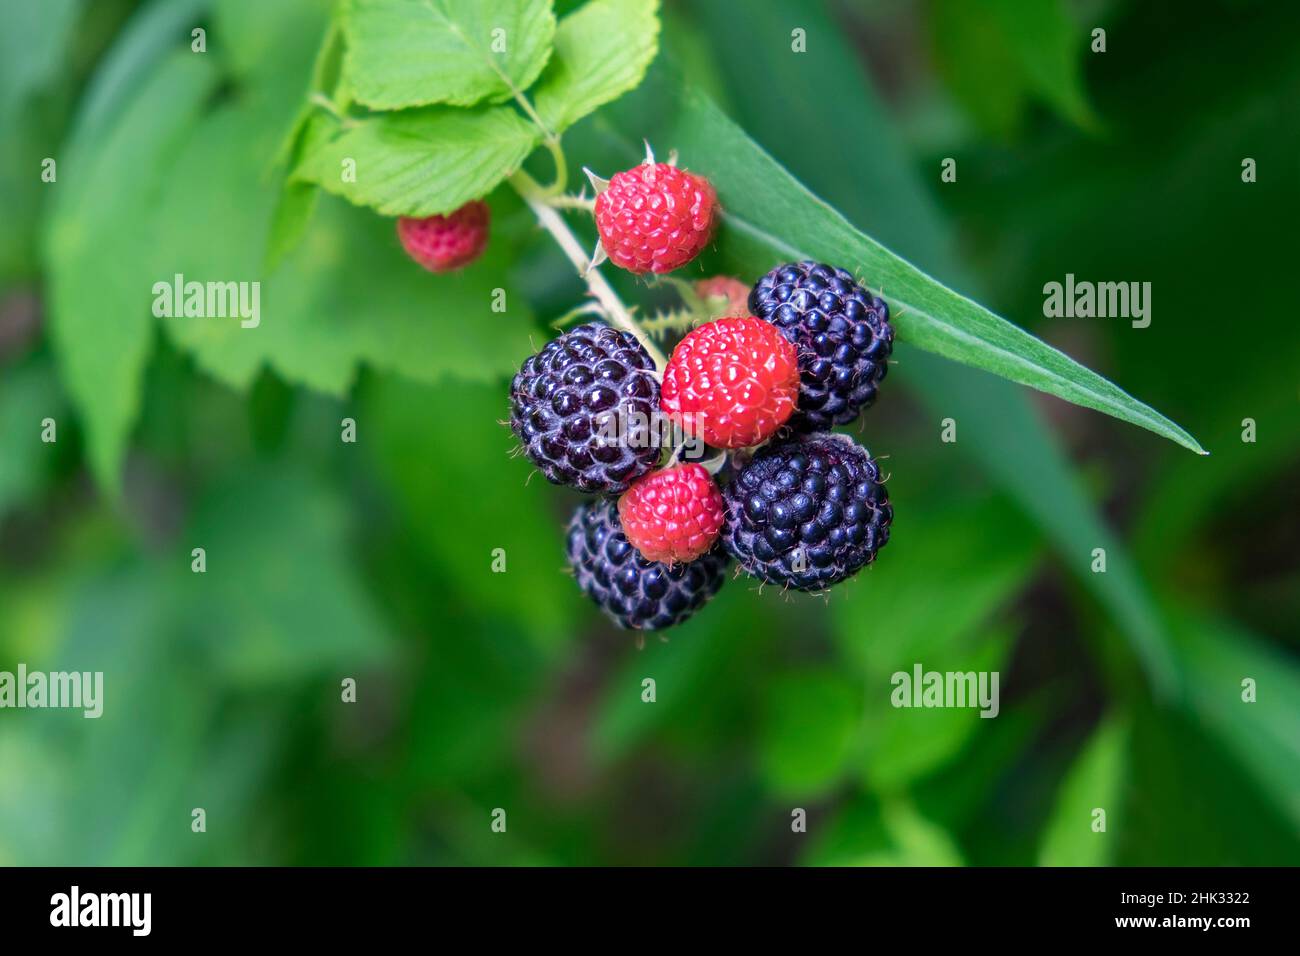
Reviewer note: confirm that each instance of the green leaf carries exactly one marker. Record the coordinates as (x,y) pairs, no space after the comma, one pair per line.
(1093,782)
(157,744)
(421,162)
(1191,801)
(888,622)
(965,789)
(601,51)
(460,507)
(33,46)
(892,833)
(99,254)
(776,218)
(250,34)
(974,57)
(289,222)
(1014,447)
(297,201)
(347,295)
(28,394)
(982,551)
(808,730)
(695,664)
(919,841)
(1185,497)
(263,615)
(1050,48)
(994,54)
(417,52)
(901,745)
(310,128)
(1264,734)
(152,33)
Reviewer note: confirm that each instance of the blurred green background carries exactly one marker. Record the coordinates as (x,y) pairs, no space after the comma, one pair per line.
(479,690)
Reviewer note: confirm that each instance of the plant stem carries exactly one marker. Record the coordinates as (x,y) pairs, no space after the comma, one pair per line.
(572,202)
(561,183)
(549,139)
(550,219)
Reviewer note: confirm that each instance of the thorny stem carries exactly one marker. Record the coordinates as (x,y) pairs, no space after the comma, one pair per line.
(686,292)
(550,220)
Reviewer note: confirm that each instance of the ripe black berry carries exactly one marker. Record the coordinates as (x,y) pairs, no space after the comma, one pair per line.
(842,333)
(585,409)
(808,513)
(636,593)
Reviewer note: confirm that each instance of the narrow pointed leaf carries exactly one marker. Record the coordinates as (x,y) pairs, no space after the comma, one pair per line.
(763,203)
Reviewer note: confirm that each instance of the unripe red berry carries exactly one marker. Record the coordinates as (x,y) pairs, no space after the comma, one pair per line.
(732,382)
(446,243)
(730,293)
(673,515)
(655,217)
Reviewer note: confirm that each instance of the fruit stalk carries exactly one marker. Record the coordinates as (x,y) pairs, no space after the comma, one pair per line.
(550,220)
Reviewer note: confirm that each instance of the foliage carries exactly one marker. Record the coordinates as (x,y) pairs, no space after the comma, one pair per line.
(374,560)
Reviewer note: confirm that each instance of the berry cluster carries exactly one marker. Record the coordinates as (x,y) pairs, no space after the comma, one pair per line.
(760,376)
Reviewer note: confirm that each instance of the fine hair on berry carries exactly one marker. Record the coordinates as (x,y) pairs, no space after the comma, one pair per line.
(634,592)
(842,333)
(586,409)
(807,513)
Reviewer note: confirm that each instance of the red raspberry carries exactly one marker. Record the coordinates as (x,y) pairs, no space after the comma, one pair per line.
(732,382)
(731,293)
(655,217)
(444,243)
(673,515)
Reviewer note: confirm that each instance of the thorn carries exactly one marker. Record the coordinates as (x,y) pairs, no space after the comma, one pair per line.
(598,184)
(672,157)
(597,257)
(649,154)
